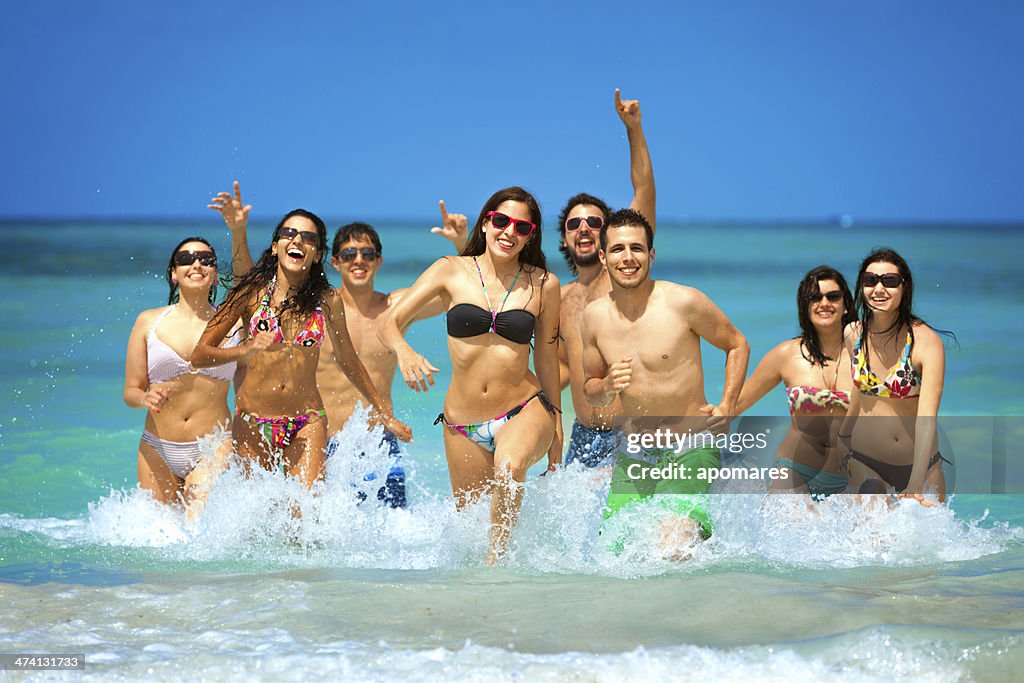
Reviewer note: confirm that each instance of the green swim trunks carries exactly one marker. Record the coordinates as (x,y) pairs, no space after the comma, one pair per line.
(679,493)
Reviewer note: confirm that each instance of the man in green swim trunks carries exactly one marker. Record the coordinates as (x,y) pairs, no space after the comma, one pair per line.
(641,343)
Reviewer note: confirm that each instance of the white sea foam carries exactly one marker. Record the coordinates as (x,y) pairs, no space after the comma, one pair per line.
(274,520)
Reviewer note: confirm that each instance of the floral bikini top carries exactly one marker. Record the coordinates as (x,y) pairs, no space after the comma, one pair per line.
(901,382)
(265,320)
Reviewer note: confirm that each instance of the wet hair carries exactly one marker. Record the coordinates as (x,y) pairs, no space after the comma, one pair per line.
(356,231)
(313,290)
(810,291)
(624,217)
(581,198)
(532,254)
(173,293)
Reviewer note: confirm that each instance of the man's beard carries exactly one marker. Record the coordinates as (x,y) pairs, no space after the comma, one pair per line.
(586,261)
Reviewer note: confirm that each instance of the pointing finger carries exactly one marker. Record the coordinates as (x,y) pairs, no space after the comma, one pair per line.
(618,100)
(444,212)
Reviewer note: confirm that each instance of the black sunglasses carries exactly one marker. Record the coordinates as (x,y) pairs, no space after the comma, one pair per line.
(889,280)
(368,254)
(593,222)
(835,296)
(308,236)
(187,258)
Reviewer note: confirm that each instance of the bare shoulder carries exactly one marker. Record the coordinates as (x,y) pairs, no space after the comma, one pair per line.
(850,333)
(682,297)
(927,337)
(551,282)
(149,316)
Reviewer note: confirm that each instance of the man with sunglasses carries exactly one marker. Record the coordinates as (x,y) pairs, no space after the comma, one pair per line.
(357,254)
(594,440)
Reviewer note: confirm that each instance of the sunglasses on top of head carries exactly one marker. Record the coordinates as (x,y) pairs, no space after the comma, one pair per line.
(501,221)
(349,254)
(310,237)
(833,297)
(187,258)
(593,222)
(888,280)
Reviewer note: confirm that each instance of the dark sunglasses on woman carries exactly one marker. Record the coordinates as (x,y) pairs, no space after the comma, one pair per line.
(187,258)
(310,237)
(889,280)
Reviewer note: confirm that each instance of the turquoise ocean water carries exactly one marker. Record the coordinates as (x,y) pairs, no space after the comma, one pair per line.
(90,565)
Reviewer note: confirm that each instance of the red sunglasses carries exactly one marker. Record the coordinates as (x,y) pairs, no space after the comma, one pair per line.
(501,221)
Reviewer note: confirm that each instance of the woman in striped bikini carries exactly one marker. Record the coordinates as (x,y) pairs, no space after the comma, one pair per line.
(182,404)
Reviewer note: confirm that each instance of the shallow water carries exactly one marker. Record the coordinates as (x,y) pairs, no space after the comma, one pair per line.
(89,564)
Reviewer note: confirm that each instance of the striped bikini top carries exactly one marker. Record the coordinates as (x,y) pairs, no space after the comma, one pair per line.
(165,364)
(901,382)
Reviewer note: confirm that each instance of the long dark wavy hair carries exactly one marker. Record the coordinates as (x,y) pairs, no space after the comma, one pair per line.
(312,291)
(574,201)
(173,294)
(532,254)
(808,291)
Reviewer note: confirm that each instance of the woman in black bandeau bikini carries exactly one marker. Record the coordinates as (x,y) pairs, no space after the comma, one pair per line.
(285,301)
(898,369)
(499,418)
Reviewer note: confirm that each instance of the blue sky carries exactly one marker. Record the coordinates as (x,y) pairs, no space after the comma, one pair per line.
(796,109)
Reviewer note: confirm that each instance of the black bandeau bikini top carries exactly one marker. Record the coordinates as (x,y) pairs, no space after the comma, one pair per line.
(470,320)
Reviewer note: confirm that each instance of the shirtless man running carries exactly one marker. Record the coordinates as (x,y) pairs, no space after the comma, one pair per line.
(641,344)
(593,441)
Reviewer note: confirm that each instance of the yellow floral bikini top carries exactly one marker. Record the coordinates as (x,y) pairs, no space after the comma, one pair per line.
(901,382)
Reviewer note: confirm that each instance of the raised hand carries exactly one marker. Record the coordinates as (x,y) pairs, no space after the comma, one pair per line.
(235,214)
(454,227)
(628,110)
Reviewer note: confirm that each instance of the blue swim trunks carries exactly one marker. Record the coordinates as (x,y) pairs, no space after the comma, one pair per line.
(392,493)
(593,447)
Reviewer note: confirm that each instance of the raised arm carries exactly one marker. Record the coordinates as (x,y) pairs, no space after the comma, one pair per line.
(545,359)
(766,377)
(417,371)
(347,359)
(454,227)
(708,322)
(640,169)
(236,215)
